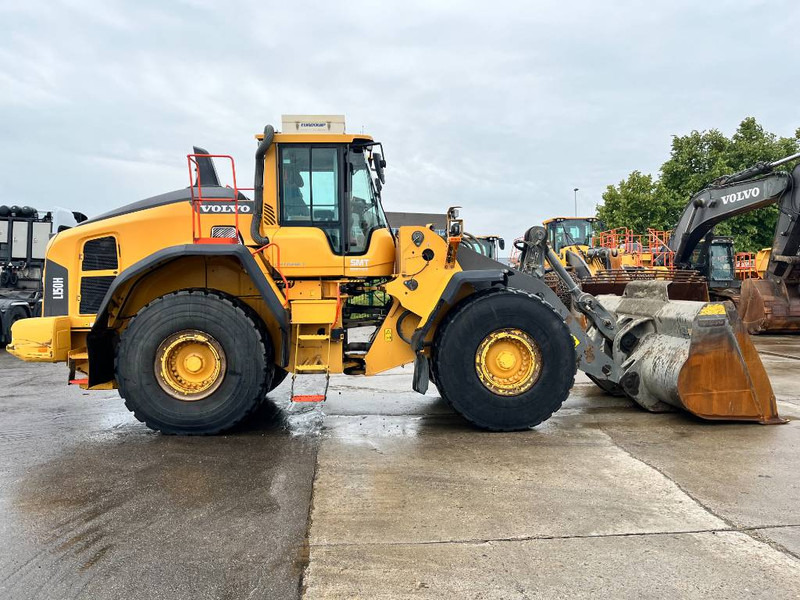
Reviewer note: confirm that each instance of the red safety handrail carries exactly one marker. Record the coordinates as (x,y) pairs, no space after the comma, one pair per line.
(744,265)
(658,246)
(197,200)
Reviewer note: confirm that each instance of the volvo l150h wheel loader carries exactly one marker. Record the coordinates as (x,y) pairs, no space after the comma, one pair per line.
(196,303)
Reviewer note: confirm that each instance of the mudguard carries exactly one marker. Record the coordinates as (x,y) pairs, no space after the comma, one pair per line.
(101,340)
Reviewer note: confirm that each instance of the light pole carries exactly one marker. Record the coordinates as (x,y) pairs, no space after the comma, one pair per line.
(576,201)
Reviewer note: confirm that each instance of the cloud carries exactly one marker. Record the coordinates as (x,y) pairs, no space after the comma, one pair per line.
(502,107)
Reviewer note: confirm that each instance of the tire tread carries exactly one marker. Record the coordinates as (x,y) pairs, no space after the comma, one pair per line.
(445,331)
(243,313)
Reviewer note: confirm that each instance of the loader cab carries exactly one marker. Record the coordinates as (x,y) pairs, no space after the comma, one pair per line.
(330,220)
(571,231)
(491,245)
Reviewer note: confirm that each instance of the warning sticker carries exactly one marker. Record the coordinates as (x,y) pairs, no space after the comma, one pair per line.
(713,309)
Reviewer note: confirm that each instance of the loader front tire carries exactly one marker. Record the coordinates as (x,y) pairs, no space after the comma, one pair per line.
(504,360)
(193,362)
(277,378)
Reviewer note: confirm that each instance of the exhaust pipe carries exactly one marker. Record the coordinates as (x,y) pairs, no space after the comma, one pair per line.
(258,185)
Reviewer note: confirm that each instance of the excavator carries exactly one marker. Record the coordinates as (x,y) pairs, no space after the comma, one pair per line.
(767,305)
(196,303)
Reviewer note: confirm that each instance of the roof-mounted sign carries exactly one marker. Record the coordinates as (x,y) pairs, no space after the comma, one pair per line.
(312,124)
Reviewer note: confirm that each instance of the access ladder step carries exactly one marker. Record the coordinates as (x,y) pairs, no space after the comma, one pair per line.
(312,368)
(309,398)
(309,388)
(313,336)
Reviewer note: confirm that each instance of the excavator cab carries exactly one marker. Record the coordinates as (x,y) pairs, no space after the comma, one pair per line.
(714,259)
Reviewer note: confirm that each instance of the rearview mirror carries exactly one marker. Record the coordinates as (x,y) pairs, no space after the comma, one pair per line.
(378,163)
(502,243)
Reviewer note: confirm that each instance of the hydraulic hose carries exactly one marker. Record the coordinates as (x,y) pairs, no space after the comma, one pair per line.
(258,185)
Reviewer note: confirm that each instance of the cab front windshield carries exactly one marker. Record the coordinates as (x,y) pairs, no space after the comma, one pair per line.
(570,232)
(721,262)
(365,213)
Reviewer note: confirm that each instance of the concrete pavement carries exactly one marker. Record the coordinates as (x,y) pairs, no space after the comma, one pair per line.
(94,505)
(408,500)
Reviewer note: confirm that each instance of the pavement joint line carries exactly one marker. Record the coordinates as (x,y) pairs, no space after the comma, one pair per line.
(772,543)
(748,531)
(661,472)
(779,355)
(579,536)
(306,547)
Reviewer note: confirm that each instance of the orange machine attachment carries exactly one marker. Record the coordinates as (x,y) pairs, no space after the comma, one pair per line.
(723,377)
(695,356)
(769,306)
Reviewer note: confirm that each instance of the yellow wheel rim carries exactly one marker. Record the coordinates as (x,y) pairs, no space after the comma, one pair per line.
(190,365)
(508,362)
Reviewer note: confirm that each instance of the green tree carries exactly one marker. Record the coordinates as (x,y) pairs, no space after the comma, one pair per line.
(695,161)
(636,203)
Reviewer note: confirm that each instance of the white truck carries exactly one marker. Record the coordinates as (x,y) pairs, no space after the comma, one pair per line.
(24,234)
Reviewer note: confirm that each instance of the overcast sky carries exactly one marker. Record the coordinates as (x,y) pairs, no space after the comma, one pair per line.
(501,107)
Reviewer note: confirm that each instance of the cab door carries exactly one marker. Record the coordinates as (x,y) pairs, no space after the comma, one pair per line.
(369,244)
(311,188)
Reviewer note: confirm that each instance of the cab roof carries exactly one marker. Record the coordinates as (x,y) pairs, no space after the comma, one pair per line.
(318,138)
(315,129)
(559,219)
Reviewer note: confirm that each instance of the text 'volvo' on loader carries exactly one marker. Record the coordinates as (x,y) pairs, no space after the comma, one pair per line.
(198,302)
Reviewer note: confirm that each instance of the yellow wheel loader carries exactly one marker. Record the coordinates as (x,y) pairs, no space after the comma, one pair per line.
(571,240)
(196,303)
(604,262)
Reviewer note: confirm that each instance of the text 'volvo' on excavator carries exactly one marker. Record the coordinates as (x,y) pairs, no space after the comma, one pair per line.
(196,303)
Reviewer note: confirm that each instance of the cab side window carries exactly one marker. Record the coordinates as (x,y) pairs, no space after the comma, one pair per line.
(365,214)
(310,190)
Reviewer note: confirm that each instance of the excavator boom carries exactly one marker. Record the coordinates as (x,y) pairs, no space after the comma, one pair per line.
(771,304)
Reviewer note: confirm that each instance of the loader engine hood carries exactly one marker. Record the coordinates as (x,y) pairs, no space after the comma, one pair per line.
(216,199)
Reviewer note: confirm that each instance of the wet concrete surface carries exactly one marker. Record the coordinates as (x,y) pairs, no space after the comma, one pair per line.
(604,498)
(693,565)
(408,500)
(95,505)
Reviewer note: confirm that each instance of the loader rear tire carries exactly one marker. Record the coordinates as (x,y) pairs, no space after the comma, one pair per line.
(14,314)
(180,334)
(459,349)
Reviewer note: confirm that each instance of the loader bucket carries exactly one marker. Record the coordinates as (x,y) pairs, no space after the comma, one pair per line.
(684,284)
(769,306)
(695,356)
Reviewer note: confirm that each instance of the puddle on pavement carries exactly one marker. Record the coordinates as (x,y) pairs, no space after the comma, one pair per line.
(303,419)
(128,492)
